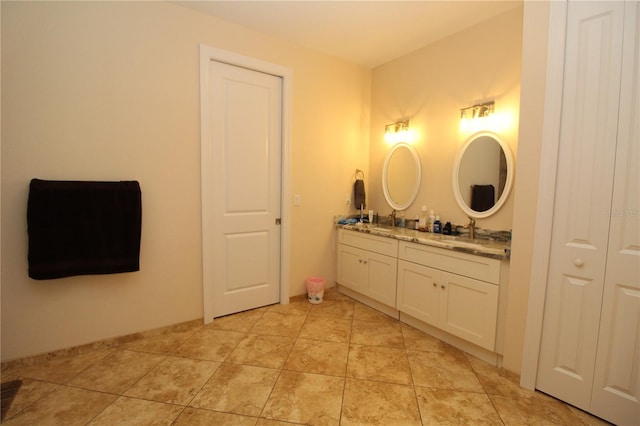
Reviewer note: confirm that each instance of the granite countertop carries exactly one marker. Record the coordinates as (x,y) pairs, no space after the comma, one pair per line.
(488,247)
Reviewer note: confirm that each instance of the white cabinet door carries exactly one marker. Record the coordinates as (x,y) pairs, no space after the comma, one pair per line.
(461,306)
(616,386)
(351,269)
(381,278)
(371,274)
(418,291)
(469,309)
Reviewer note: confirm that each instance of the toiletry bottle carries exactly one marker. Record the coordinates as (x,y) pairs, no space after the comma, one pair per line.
(402,222)
(437,226)
(447,228)
(422,219)
(432,218)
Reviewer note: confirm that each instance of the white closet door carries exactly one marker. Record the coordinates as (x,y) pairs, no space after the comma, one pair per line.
(616,388)
(583,193)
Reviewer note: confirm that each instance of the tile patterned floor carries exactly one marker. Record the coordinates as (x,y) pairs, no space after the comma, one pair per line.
(337,363)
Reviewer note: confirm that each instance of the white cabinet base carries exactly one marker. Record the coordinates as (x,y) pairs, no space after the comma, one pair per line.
(385,309)
(487,356)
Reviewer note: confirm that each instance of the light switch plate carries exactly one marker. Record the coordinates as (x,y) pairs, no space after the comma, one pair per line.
(296,200)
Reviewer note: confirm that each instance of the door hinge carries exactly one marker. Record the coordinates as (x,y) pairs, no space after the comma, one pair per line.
(278,221)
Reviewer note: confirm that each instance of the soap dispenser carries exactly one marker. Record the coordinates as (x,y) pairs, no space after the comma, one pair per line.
(437,226)
(432,218)
(422,219)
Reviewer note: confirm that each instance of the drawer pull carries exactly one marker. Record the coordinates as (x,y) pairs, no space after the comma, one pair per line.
(578,262)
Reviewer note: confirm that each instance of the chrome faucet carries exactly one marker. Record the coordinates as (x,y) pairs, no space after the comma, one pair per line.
(392,216)
(472,228)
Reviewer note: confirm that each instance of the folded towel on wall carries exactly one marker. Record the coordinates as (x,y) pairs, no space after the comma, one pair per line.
(482,197)
(359,196)
(83,228)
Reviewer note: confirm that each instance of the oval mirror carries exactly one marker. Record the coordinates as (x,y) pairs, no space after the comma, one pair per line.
(482,175)
(401,176)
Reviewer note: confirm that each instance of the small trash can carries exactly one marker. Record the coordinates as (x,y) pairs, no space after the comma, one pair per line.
(315,289)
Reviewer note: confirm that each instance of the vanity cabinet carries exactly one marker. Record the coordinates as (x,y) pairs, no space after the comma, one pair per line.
(368,264)
(456,292)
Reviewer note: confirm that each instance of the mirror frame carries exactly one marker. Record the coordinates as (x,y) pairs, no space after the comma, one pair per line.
(509,180)
(385,170)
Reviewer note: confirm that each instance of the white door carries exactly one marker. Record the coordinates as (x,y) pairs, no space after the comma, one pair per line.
(616,387)
(245,133)
(583,193)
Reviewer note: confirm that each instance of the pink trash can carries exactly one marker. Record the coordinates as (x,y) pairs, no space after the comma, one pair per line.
(315,289)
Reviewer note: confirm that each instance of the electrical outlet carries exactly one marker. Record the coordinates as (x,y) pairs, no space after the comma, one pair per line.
(296,200)
(348,199)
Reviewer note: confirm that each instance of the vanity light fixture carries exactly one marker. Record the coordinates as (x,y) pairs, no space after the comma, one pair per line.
(477,117)
(477,111)
(397,132)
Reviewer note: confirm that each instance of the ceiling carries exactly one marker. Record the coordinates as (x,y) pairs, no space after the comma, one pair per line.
(368,33)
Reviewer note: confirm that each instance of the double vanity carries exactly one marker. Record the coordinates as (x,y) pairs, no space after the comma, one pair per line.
(449,287)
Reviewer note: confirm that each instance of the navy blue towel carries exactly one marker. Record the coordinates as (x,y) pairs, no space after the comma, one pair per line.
(359,195)
(83,228)
(482,197)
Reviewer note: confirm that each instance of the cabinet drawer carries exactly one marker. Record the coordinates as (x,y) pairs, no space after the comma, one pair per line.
(374,243)
(468,265)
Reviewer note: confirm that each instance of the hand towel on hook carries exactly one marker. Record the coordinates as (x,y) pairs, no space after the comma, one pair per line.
(359,195)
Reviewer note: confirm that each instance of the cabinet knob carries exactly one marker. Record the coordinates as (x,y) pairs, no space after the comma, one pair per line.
(578,262)
(364,261)
(442,285)
(435,284)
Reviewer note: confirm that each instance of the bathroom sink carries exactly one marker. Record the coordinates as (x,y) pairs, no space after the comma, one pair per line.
(378,229)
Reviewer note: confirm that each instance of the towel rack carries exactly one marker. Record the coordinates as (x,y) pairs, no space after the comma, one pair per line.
(358,171)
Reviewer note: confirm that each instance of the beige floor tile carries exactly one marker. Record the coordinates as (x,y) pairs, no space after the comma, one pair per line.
(242,321)
(237,389)
(30,391)
(375,403)
(532,411)
(366,313)
(174,380)
(65,406)
(262,351)
(314,356)
(378,363)
(59,369)
(416,340)
(210,345)
(448,370)
(587,419)
(117,372)
(279,324)
(310,399)
(165,343)
(134,412)
(333,308)
(377,333)
(326,328)
(297,306)
(269,422)
(498,381)
(195,417)
(446,407)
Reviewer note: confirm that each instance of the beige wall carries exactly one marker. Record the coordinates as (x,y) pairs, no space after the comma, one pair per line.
(429,87)
(534,62)
(110,91)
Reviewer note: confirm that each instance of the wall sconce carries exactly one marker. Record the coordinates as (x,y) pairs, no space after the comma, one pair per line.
(397,132)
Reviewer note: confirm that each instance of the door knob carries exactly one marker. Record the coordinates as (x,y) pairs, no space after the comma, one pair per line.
(578,262)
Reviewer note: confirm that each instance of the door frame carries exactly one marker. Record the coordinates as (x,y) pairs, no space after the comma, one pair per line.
(208,54)
(546,193)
